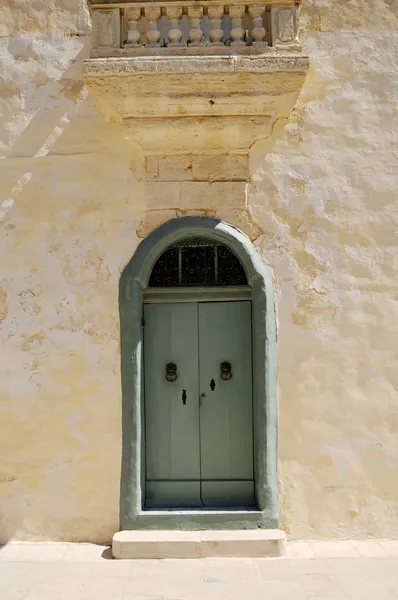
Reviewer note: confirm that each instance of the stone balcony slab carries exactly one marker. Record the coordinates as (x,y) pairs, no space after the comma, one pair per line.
(182,104)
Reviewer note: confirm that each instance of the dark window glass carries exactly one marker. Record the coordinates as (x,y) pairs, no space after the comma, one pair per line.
(197,262)
(166,269)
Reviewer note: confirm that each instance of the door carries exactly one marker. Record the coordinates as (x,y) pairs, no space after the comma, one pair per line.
(172,434)
(199,430)
(226,421)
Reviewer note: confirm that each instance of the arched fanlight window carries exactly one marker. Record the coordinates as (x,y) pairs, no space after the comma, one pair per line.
(197,262)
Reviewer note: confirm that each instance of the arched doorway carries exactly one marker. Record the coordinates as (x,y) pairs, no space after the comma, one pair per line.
(199,381)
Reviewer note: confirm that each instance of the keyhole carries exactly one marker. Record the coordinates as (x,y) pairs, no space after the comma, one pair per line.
(212,385)
(184,396)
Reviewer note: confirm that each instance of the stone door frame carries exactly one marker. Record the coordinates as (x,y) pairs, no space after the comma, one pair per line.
(133,283)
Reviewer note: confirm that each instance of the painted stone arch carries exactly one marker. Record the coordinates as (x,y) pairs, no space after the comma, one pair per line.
(133,282)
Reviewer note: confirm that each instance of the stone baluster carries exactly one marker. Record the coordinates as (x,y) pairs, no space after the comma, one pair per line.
(258,31)
(216,33)
(153,15)
(237,32)
(174,34)
(195,15)
(133,33)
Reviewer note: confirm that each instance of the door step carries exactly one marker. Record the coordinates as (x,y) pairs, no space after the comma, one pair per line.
(199,544)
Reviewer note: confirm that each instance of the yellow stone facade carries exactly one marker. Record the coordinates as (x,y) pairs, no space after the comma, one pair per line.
(318,199)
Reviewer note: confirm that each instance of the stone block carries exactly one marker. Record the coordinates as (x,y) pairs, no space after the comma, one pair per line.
(221,167)
(194,194)
(210,214)
(154,218)
(175,168)
(152,168)
(220,194)
(155,544)
(138,168)
(284,24)
(228,194)
(163,194)
(240,219)
(106,28)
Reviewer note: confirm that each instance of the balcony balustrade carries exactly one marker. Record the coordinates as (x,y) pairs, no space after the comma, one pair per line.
(192,27)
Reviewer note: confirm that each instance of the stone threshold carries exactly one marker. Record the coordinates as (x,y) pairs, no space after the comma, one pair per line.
(252,543)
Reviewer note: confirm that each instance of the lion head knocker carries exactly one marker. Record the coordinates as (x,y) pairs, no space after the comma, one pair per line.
(225,368)
(171,371)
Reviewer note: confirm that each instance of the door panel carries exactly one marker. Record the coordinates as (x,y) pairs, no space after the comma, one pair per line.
(173,494)
(226,426)
(172,432)
(230,494)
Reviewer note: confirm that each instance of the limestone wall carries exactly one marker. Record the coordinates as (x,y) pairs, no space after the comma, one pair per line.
(323,213)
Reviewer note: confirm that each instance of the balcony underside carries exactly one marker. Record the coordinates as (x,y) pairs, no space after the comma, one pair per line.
(174,103)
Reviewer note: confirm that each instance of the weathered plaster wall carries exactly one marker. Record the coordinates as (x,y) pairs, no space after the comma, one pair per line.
(69,209)
(328,206)
(323,214)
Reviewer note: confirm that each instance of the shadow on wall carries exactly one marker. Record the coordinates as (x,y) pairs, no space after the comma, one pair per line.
(48,113)
(55,105)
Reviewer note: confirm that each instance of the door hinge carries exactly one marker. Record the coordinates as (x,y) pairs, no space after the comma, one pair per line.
(142,322)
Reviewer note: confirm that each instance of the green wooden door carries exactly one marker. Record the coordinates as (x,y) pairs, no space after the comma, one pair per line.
(172,433)
(199,441)
(226,421)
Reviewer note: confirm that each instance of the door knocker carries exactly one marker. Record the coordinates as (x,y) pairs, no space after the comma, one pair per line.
(171,371)
(225,368)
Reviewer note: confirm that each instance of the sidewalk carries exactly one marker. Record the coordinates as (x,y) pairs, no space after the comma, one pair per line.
(312,571)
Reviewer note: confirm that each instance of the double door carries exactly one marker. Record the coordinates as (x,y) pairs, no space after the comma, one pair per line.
(198,405)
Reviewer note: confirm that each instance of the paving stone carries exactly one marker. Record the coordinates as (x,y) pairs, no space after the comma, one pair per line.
(378,589)
(300,550)
(370,549)
(172,570)
(275,569)
(391,547)
(87,553)
(320,585)
(25,551)
(334,549)
(219,570)
(81,572)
